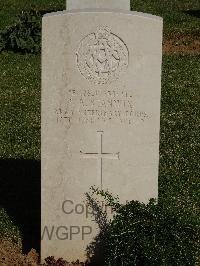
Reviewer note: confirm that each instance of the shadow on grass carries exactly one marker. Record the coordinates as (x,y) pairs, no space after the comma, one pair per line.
(20,196)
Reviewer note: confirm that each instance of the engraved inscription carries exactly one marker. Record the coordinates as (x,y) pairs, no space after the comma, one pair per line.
(92,106)
(102,56)
(99,156)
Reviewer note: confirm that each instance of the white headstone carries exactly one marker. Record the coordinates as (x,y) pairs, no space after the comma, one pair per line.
(81,4)
(101,86)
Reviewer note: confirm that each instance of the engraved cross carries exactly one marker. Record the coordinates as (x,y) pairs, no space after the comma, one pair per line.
(99,156)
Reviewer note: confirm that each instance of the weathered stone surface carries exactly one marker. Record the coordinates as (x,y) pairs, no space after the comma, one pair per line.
(81,4)
(101,85)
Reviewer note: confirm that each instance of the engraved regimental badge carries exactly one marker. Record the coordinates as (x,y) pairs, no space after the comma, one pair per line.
(102,56)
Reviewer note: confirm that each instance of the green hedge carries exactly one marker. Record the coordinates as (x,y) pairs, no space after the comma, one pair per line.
(144,235)
(23,36)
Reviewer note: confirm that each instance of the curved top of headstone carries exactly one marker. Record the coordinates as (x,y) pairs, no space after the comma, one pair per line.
(107,4)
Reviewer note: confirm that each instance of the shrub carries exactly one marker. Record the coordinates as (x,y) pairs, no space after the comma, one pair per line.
(144,235)
(25,35)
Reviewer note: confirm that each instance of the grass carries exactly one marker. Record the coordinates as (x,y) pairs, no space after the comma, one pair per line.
(180,113)
(177,15)
(20,101)
(180,132)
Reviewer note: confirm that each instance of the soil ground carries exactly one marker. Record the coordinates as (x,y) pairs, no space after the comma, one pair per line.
(11,254)
(181,44)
